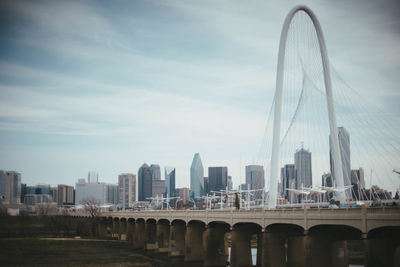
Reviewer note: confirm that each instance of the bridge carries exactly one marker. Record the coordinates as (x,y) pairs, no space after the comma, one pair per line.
(284,237)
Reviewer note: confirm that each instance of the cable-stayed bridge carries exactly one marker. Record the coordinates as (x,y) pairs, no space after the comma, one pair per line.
(311,236)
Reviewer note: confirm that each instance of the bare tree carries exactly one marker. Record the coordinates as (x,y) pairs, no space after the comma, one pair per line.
(92,206)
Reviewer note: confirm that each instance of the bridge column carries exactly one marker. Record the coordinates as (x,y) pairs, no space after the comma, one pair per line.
(130,227)
(122,229)
(110,225)
(101,227)
(273,249)
(115,228)
(382,248)
(324,250)
(296,251)
(241,247)
(194,241)
(151,230)
(260,249)
(139,237)
(177,239)
(163,236)
(214,245)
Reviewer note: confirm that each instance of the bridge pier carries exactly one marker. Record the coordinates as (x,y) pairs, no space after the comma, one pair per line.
(122,229)
(241,247)
(215,247)
(139,237)
(194,241)
(163,236)
(130,227)
(296,251)
(382,248)
(115,228)
(323,248)
(101,227)
(151,230)
(177,239)
(273,249)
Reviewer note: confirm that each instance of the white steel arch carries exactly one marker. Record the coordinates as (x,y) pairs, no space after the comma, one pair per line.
(338,173)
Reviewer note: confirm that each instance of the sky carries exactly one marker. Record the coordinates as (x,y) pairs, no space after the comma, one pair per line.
(107,86)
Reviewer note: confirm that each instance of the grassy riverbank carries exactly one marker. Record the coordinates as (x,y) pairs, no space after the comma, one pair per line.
(72,252)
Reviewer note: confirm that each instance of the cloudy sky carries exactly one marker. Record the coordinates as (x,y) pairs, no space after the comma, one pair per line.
(104,86)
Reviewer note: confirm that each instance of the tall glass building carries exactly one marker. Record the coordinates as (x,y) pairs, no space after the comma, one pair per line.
(197,177)
(302,165)
(170,181)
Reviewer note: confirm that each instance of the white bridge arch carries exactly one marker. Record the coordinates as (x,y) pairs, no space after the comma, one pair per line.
(338,174)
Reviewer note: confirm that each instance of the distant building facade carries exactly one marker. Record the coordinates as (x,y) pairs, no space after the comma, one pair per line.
(183,193)
(358,183)
(126,190)
(302,164)
(170,181)
(206,186)
(197,176)
(10,187)
(66,195)
(288,179)
(145,182)
(255,176)
(217,178)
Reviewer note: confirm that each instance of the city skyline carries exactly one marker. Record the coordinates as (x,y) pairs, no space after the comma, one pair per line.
(92,90)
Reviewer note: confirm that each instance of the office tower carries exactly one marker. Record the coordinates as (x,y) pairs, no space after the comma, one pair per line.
(39,189)
(112,194)
(155,172)
(66,195)
(197,177)
(10,187)
(158,188)
(255,179)
(358,183)
(344,147)
(287,176)
(302,164)
(217,178)
(255,176)
(23,192)
(243,187)
(54,194)
(230,184)
(93,177)
(327,180)
(170,182)
(145,182)
(206,186)
(183,193)
(126,190)
(95,190)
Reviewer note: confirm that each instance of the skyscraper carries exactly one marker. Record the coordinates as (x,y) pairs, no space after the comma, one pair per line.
(302,165)
(217,178)
(358,183)
(344,147)
(93,177)
(145,182)
(255,176)
(170,182)
(155,172)
(287,176)
(197,176)
(127,190)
